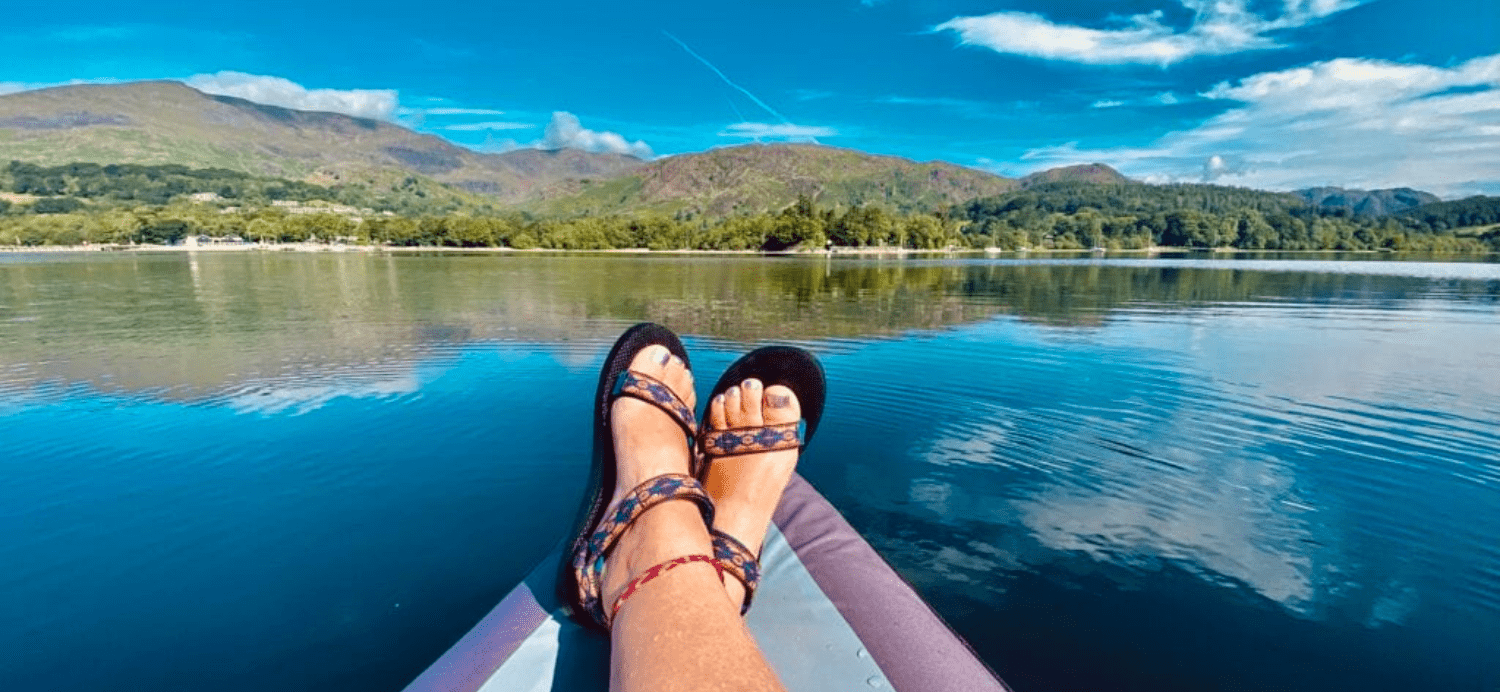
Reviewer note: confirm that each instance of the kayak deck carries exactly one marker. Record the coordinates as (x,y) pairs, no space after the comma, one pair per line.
(829,614)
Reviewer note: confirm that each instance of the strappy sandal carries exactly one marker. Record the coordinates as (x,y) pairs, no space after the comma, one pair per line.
(580,580)
(790,367)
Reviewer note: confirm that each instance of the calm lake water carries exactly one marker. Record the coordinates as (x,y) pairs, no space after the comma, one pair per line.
(272,471)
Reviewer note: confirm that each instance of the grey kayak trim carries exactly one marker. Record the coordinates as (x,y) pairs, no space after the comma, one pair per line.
(830,614)
(915,648)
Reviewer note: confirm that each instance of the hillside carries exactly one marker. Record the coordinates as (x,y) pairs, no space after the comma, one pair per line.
(1096,173)
(169,122)
(1367,203)
(1478,212)
(756,177)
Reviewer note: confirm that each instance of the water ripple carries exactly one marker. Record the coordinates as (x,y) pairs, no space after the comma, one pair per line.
(1118,460)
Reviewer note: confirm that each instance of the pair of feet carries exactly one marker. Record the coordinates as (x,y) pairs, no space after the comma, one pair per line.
(745,489)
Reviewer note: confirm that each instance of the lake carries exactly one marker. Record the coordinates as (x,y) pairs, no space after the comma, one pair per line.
(279,471)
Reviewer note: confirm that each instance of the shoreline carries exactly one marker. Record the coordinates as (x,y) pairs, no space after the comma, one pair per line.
(846,251)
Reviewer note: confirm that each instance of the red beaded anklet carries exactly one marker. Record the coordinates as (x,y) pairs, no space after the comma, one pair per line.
(659,570)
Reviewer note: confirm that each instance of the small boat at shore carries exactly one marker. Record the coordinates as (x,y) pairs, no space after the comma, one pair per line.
(830,614)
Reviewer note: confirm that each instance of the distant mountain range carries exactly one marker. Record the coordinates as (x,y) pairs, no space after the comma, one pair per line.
(1368,203)
(169,122)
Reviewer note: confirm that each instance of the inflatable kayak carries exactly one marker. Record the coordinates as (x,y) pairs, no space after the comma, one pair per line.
(830,614)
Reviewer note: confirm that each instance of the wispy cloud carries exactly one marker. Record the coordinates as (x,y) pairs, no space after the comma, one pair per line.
(16,87)
(92,34)
(452,111)
(380,104)
(1161,98)
(481,127)
(778,131)
(726,78)
(961,107)
(1219,27)
(1351,121)
(811,94)
(566,131)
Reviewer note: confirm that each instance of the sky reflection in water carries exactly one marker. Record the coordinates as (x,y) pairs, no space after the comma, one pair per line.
(1148,474)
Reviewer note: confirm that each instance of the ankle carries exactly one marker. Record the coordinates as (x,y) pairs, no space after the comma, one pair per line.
(670,530)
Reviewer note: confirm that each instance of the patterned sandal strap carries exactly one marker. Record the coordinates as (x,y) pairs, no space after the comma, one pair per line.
(737,560)
(588,562)
(752,440)
(655,392)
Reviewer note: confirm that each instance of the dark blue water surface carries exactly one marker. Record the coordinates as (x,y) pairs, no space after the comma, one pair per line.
(268,471)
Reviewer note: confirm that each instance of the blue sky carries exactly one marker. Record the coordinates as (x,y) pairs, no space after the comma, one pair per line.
(1274,94)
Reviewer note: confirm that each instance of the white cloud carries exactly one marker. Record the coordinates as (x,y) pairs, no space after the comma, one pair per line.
(962,107)
(566,131)
(780,131)
(1219,27)
(481,127)
(1351,121)
(275,91)
(454,111)
(17,87)
(1164,98)
(811,94)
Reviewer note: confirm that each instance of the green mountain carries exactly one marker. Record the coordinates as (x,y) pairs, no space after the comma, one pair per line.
(169,122)
(1479,213)
(1367,203)
(1096,173)
(768,177)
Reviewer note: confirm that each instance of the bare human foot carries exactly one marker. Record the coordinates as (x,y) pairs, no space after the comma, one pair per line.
(649,443)
(747,488)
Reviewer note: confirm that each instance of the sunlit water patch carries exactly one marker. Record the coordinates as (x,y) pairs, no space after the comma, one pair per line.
(274,471)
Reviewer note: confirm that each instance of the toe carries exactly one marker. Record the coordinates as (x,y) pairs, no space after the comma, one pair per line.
(781,405)
(732,405)
(716,420)
(658,363)
(750,398)
(652,360)
(680,379)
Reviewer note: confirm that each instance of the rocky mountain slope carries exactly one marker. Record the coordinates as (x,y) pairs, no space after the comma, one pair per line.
(758,177)
(169,122)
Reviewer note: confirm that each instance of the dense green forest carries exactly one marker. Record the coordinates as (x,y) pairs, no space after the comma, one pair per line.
(104,204)
(1136,215)
(131,184)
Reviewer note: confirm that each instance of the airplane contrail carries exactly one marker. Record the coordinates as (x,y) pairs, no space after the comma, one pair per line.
(726,79)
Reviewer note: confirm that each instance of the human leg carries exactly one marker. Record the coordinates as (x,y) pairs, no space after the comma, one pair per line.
(677,631)
(746,488)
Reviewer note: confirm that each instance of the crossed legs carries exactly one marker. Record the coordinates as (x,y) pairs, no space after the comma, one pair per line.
(682,630)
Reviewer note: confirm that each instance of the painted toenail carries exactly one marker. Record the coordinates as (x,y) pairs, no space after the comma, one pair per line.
(779,400)
(752,384)
(666,356)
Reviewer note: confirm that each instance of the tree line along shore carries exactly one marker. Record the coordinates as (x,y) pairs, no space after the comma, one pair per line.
(91,204)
